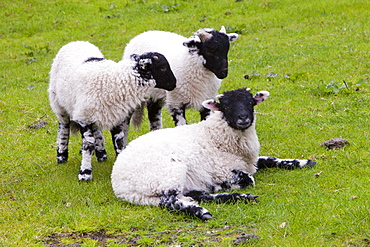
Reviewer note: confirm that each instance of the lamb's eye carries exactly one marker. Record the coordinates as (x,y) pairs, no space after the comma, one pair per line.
(164,69)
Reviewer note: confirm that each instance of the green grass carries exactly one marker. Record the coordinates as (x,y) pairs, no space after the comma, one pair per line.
(312,46)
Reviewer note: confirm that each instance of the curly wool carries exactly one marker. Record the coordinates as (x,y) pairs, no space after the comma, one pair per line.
(190,157)
(101,92)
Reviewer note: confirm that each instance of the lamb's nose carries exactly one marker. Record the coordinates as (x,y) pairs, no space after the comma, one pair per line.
(224,72)
(243,120)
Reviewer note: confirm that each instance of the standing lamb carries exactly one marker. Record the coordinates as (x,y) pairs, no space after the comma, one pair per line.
(173,167)
(199,63)
(89,93)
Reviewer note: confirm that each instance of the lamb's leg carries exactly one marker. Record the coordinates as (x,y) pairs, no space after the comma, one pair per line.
(101,154)
(155,113)
(204,113)
(174,201)
(120,134)
(240,180)
(178,115)
(63,139)
(202,196)
(88,146)
(268,162)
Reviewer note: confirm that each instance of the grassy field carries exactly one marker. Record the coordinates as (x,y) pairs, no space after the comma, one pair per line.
(313,57)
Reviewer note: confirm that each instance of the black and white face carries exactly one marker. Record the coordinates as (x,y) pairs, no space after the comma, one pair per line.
(213,46)
(214,51)
(162,72)
(153,65)
(237,107)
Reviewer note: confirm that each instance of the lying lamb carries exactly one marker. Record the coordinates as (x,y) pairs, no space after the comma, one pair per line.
(91,93)
(175,167)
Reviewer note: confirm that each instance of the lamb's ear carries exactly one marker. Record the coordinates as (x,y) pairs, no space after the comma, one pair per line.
(211,104)
(232,37)
(193,42)
(261,96)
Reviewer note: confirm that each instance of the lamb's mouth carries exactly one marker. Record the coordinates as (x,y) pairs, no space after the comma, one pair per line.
(243,124)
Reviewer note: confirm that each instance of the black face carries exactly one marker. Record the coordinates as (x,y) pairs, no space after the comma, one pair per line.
(159,69)
(214,51)
(238,108)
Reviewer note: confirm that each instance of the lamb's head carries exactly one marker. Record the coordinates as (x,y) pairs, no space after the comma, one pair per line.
(237,107)
(154,65)
(213,46)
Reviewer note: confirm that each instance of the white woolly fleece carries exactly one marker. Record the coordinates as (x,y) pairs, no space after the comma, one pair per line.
(100,92)
(189,157)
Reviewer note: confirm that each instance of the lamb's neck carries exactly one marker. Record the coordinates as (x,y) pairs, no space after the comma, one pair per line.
(225,138)
(127,87)
(127,68)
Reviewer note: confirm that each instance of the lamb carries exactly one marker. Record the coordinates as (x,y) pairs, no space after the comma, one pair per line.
(199,63)
(175,167)
(89,93)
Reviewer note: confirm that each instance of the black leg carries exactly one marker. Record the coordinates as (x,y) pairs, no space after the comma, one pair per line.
(120,134)
(101,154)
(63,140)
(178,115)
(174,201)
(204,113)
(269,162)
(155,113)
(88,147)
(242,179)
(202,196)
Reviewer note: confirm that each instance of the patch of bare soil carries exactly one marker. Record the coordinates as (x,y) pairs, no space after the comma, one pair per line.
(132,238)
(101,237)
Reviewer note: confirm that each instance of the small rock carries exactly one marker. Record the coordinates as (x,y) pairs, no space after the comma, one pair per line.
(335,143)
(37,125)
(245,237)
(282,225)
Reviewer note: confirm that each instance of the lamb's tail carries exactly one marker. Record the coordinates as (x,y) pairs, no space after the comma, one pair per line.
(137,116)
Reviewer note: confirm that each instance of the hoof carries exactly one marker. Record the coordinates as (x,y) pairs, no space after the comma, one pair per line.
(61,160)
(252,197)
(311,163)
(62,157)
(85,175)
(102,159)
(101,156)
(207,216)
